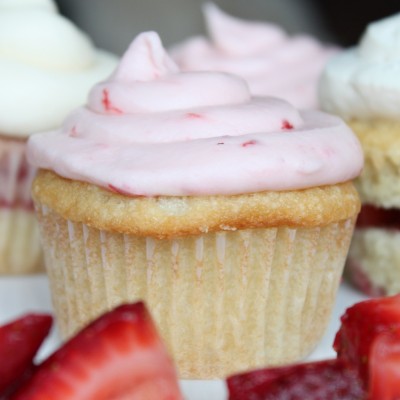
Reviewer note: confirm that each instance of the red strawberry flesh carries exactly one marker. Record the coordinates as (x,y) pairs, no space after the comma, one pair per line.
(360,326)
(19,343)
(384,367)
(323,380)
(119,356)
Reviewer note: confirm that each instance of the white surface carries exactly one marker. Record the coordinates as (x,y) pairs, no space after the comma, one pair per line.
(24,294)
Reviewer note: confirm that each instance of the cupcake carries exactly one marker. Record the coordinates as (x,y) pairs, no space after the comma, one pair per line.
(47,66)
(362,85)
(273,63)
(230,216)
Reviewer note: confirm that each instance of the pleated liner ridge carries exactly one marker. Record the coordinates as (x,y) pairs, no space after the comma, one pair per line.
(20,250)
(223,302)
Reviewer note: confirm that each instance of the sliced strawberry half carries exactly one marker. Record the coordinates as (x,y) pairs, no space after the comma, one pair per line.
(19,343)
(384,367)
(323,380)
(361,324)
(119,356)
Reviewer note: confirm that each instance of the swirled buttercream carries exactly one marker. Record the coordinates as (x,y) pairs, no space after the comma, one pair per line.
(47,66)
(364,81)
(153,130)
(273,63)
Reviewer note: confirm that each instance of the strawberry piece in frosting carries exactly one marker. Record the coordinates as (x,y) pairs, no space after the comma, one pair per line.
(286,125)
(108,107)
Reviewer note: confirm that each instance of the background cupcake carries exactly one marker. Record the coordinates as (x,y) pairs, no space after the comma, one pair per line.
(363,85)
(46,69)
(273,63)
(230,216)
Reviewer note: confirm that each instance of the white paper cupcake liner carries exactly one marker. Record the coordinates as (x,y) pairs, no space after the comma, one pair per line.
(374,261)
(20,251)
(223,302)
(16,175)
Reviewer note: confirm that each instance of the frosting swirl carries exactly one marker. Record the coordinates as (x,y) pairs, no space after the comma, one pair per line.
(152,130)
(47,66)
(364,81)
(273,63)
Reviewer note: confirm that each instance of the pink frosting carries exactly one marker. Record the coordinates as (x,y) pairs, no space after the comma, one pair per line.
(273,63)
(152,130)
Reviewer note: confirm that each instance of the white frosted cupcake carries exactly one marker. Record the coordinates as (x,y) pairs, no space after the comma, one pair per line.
(46,69)
(272,62)
(362,85)
(230,216)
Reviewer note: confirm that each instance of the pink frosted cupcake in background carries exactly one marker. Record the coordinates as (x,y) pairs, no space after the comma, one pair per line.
(272,62)
(46,68)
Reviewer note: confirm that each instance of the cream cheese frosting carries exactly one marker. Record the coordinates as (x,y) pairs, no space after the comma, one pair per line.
(273,63)
(152,130)
(47,66)
(364,81)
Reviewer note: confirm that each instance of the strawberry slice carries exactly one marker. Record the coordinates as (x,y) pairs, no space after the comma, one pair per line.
(119,356)
(384,367)
(361,324)
(323,380)
(19,342)
(376,217)
(368,347)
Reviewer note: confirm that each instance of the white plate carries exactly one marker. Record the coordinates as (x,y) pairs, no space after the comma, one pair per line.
(24,294)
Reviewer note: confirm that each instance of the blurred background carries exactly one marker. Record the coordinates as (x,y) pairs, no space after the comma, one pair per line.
(113,24)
